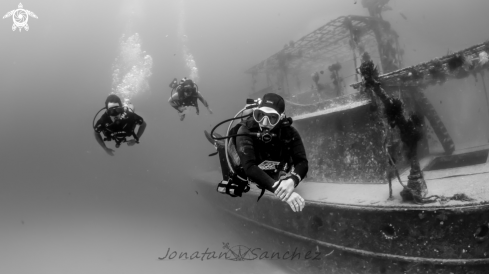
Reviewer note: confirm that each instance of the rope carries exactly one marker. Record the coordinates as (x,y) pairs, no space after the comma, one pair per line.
(418,199)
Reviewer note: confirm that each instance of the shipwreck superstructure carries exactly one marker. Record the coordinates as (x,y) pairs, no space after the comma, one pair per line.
(334,47)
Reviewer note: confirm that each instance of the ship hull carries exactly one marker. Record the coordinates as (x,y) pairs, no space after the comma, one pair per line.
(354,238)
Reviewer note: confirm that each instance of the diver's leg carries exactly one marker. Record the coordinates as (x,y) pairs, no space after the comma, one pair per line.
(175,103)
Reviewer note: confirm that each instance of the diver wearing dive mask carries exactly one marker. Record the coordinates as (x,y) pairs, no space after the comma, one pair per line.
(266,117)
(116,124)
(185,95)
(276,160)
(115,110)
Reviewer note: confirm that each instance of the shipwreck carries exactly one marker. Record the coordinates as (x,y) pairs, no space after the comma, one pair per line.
(398,157)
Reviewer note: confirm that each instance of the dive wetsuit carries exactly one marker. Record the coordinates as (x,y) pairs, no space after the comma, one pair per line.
(179,99)
(120,128)
(287,148)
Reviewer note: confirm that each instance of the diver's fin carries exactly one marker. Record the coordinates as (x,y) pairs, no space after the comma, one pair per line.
(261,194)
(212,141)
(208,136)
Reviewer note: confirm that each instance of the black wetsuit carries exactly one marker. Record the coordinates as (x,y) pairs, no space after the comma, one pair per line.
(119,128)
(286,148)
(190,100)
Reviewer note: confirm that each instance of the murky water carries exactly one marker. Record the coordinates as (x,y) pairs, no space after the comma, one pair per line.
(67,207)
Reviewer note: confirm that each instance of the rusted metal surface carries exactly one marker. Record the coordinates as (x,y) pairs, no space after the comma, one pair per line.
(345,147)
(472,61)
(435,241)
(328,43)
(347,139)
(338,43)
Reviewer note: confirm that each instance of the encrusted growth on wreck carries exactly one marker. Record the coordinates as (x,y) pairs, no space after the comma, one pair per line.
(410,129)
(458,65)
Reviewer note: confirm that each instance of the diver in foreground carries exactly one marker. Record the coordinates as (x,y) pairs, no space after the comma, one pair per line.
(184,95)
(117,123)
(269,152)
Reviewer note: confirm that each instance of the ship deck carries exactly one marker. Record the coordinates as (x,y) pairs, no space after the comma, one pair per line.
(472,181)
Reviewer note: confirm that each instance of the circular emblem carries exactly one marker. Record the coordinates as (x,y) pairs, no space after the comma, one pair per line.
(20,17)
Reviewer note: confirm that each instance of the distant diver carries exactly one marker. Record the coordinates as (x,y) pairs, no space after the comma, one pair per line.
(185,94)
(117,123)
(265,149)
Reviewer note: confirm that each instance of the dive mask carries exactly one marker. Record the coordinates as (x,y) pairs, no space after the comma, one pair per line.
(115,111)
(188,89)
(259,115)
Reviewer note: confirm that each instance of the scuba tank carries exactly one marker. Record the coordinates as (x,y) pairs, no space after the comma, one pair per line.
(246,112)
(233,184)
(174,83)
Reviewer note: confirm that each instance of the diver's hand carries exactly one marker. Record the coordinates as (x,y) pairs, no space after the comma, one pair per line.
(109,151)
(284,190)
(210,110)
(197,112)
(131,142)
(296,202)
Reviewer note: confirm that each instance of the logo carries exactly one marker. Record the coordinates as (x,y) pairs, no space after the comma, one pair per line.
(20,17)
(268,165)
(270,102)
(239,253)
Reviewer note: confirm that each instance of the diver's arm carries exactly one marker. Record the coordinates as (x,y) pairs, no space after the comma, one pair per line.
(141,129)
(179,91)
(296,202)
(142,126)
(246,153)
(99,139)
(299,158)
(286,186)
(204,102)
(101,142)
(201,98)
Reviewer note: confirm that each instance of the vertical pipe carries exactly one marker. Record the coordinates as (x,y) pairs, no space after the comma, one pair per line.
(485,90)
(355,64)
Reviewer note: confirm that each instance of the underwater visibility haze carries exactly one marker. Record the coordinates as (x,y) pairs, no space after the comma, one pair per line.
(68,207)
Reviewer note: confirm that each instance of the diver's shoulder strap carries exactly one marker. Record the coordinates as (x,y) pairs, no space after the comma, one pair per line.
(261,193)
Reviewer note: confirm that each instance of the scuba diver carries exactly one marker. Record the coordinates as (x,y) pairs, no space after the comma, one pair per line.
(116,123)
(265,149)
(185,94)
